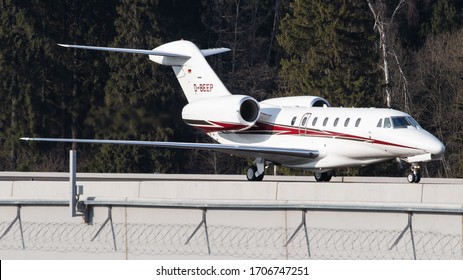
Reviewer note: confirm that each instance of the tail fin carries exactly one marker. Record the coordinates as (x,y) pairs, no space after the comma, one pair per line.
(194,74)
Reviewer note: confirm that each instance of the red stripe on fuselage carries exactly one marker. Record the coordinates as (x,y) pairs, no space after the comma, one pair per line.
(275,129)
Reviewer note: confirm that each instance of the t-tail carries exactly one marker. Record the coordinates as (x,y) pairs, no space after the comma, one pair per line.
(194,74)
(211,107)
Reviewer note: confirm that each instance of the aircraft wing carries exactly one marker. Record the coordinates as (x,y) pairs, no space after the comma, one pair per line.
(273,154)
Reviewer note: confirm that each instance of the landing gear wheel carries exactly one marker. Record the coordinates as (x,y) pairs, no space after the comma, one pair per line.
(251,174)
(415,176)
(318,176)
(411,178)
(323,176)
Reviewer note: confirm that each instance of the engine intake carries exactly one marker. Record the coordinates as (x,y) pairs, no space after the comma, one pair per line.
(249,110)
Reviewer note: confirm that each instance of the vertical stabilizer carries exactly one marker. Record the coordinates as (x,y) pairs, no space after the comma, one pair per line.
(194,74)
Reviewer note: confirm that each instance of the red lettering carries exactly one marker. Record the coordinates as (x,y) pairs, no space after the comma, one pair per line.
(203,87)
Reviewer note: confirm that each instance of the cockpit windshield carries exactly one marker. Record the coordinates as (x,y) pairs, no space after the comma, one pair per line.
(404,122)
(398,122)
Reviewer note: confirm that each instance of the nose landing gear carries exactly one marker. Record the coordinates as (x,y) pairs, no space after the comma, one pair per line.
(415,176)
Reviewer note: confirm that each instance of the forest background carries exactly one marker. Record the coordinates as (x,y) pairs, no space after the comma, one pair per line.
(407,55)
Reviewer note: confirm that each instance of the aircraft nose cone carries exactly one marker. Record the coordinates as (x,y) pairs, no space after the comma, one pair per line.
(436,148)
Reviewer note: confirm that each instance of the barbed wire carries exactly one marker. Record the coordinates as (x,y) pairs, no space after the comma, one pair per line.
(230,241)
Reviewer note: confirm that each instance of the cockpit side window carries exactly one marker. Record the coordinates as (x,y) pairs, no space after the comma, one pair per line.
(380,123)
(387,123)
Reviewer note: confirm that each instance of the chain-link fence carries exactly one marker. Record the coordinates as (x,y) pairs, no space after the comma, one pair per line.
(229,241)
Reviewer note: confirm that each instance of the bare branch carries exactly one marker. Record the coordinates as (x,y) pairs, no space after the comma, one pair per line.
(396,9)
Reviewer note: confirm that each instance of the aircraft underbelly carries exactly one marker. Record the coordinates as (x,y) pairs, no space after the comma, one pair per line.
(334,152)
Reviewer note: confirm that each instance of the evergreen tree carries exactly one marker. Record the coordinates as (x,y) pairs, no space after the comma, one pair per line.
(247,28)
(329,50)
(445,16)
(16,111)
(138,96)
(50,90)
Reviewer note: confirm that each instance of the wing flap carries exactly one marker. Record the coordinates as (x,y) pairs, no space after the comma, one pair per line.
(273,154)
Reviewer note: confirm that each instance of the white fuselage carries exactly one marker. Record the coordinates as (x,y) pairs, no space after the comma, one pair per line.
(344,136)
(297,131)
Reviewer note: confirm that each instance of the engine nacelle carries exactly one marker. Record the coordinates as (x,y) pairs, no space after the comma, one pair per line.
(223,113)
(298,101)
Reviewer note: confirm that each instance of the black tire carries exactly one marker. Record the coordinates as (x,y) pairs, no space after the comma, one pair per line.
(328,176)
(323,176)
(411,178)
(318,176)
(251,173)
(417,177)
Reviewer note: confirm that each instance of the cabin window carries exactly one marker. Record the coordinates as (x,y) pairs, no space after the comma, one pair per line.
(293,121)
(346,123)
(325,121)
(314,122)
(380,123)
(304,120)
(336,122)
(387,123)
(357,123)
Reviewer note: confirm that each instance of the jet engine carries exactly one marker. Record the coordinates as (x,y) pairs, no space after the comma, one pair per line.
(224,113)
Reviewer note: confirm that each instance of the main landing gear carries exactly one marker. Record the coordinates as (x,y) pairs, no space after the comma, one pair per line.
(251,174)
(257,171)
(323,176)
(415,175)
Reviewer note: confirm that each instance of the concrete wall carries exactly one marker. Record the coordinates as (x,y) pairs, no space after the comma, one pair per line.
(49,232)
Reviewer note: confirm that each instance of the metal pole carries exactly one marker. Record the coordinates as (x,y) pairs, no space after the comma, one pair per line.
(203,222)
(72,182)
(302,224)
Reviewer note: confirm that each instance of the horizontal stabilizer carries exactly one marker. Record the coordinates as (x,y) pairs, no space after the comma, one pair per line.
(208,52)
(274,154)
(135,51)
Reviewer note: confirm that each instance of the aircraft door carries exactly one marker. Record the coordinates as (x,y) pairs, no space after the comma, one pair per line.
(303,124)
